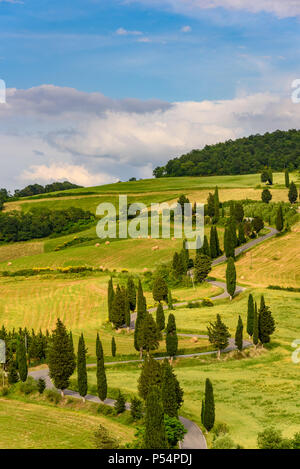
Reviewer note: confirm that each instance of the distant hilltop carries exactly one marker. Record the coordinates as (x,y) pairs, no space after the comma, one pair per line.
(278,150)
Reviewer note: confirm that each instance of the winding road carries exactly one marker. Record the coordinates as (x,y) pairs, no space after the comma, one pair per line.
(194,438)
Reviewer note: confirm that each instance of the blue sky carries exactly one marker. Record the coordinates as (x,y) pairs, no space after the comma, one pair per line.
(75,68)
(75,44)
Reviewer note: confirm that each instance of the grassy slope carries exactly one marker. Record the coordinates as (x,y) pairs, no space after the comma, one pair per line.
(81,303)
(25,425)
(251,393)
(275,262)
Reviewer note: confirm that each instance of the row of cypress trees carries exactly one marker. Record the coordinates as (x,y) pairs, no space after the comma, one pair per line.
(260,323)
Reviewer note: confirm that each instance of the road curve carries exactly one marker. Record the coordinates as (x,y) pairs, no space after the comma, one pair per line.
(194,438)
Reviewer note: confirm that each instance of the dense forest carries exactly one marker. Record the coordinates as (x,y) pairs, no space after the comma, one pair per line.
(42,222)
(278,150)
(35,189)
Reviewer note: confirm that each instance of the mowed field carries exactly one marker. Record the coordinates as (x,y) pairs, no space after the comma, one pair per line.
(25,425)
(251,393)
(274,262)
(81,303)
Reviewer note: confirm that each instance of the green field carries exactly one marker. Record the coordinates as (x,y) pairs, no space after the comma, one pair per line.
(26,425)
(251,392)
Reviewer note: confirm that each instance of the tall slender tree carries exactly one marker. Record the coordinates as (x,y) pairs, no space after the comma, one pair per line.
(250,315)
(171,337)
(239,335)
(170,300)
(81,368)
(202,267)
(141,311)
(279,219)
(149,333)
(160,317)
(101,375)
(113,347)
(213,243)
(155,431)
(160,289)
(287,178)
(131,290)
(22,360)
(151,374)
(172,393)
(61,357)
(110,298)
(228,243)
(293,194)
(255,327)
(231,277)
(266,323)
(209,406)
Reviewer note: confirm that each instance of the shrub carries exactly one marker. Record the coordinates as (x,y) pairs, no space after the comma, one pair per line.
(221,429)
(271,438)
(193,304)
(105,409)
(53,396)
(120,404)
(29,386)
(207,302)
(224,442)
(4,391)
(103,439)
(175,430)
(41,385)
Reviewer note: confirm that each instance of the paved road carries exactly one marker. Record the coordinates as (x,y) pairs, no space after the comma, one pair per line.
(194,438)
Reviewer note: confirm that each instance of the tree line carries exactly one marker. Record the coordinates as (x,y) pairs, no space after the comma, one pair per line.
(39,223)
(248,155)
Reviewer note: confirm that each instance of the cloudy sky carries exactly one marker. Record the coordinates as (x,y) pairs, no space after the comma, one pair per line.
(101,90)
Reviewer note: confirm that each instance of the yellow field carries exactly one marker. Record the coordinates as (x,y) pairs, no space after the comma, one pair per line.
(274,262)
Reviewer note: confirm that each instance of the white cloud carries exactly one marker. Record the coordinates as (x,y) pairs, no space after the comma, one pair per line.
(62,172)
(125,32)
(44,136)
(186,29)
(281,8)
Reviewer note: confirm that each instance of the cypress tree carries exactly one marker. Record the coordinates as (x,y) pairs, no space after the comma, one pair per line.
(177,265)
(81,368)
(101,375)
(171,337)
(228,243)
(151,374)
(61,357)
(287,178)
(213,243)
(118,308)
(141,311)
(120,404)
(155,432)
(241,236)
(160,289)
(266,196)
(160,317)
(110,298)
(255,327)
(170,301)
(205,248)
(113,347)
(239,335)
(136,409)
(216,205)
(172,394)
(202,267)
(279,219)
(13,376)
(232,230)
(209,406)
(22,360)
(202,411)
(219,250)
(266,323)
(238,212)
(293,194)
(149,335)
(131,291)
(250,316)
(210,205)
(231,277)
(218,334)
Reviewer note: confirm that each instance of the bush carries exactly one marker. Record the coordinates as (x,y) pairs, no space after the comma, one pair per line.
(175,430)
(53,396)
(221,429)
(105,409)
(207,302)
(103,439)
(4,391)
(120,404)
(193,304)
(224,442)
(136,408)
(29,386)
(41,385)
(271,438)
